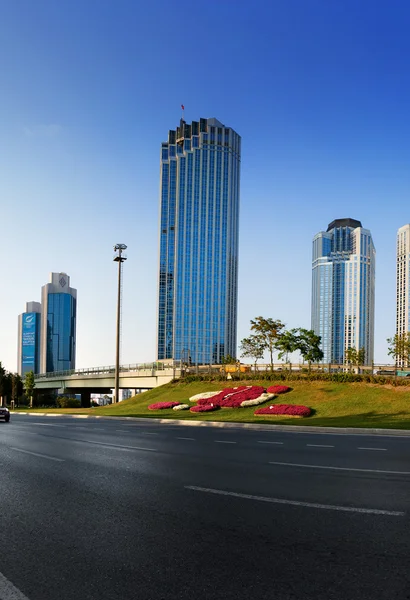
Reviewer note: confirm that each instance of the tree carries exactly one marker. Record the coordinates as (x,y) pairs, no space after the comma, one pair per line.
(29,385)
(252,347)
(269,332)
(287,343)
(2,383)
(228,360)
(308,344)
(16,387)
(351,357)
(399,348)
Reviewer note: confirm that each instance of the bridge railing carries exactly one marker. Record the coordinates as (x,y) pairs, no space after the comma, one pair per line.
(131,368)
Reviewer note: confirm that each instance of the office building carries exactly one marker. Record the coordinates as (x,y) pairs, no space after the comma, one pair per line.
(198,264)
(343,280)
(58,324)
(403,283)
(28,353)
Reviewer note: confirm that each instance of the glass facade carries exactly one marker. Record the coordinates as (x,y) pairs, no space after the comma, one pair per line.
(30,343)
(198,265)
(61,328)
(403,285)
(343,281)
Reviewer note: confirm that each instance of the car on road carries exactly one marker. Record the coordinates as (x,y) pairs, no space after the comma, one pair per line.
(4,414)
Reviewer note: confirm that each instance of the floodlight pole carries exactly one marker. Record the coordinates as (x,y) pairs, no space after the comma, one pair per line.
(119,258)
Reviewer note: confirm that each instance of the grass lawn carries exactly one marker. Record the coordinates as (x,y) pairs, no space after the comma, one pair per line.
(334,404)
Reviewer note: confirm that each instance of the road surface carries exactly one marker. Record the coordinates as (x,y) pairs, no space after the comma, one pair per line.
(118,510)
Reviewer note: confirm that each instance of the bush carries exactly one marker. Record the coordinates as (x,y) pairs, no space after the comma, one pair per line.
(278,389)
(204,408)
(163,405)
(290,410)
(65,402)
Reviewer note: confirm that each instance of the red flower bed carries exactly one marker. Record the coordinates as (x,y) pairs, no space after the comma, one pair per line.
(284,409)
(232,398)
(162,405)
(203,408)
(278,389)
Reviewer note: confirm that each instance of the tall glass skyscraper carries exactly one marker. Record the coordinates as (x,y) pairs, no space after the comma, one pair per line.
(403,284)
(58,324)
(343,281)
(198,264)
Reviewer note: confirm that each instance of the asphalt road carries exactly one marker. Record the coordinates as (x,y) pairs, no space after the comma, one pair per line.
(118,510)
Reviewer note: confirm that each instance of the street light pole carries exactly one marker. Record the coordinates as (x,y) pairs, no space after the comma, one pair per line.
(119,258)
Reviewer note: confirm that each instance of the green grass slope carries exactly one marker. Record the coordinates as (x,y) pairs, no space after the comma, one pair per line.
(334,404)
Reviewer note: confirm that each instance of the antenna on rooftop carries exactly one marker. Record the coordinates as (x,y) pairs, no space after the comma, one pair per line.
(183,112)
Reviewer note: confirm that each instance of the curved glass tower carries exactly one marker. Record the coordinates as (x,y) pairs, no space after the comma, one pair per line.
(343,281)
(198,264)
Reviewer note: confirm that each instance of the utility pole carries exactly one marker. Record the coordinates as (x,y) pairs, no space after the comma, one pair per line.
(119,258)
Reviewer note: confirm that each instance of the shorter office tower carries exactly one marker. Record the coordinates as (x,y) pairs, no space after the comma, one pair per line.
(58,324)
(28,353)
(343,281)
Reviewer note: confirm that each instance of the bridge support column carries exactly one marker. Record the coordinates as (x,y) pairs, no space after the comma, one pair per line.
(85,398)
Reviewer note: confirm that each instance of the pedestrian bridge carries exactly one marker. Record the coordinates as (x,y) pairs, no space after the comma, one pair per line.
(101,379)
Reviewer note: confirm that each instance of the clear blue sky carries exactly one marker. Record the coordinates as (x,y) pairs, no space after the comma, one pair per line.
(318,90)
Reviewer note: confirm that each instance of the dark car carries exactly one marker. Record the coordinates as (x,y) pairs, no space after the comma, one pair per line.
(4,414)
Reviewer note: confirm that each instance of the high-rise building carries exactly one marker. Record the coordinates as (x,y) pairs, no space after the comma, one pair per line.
(343,280)
(58,324)
(403,283)
(198,265)
(28,354)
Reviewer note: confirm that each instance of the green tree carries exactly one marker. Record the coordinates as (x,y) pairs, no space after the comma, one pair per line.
(29,385)
(269,332)
(287,343)
(351,357)
(16,387)
(2,383)
(308,344)
(252,347)
(399,348)
(228,360)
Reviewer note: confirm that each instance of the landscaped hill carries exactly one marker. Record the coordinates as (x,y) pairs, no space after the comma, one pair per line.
(333,404)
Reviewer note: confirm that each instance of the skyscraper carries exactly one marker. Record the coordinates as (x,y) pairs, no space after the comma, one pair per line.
(343,280)
(28,358)
(198,264)
(403,283)
(58,324)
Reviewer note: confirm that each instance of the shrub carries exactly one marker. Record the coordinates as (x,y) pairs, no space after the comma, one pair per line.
(278,389)
(65,402)
(180,407)
(162,405)
(260,400)
(204,408)
(290,410)
(233,397)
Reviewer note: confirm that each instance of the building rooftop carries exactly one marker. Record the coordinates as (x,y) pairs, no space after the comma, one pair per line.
(344,223)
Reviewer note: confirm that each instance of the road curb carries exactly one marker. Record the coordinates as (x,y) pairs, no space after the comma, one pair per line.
(233,425)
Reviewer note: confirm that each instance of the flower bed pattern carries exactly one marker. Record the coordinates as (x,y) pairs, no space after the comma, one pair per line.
(203,396)
(162,405)
(233,397)
(284,409)
(278,389)
(181,407)
(260,400)
(204,408)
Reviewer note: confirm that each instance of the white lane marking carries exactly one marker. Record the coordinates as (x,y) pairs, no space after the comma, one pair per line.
(184,438)
(372,449)
(223,442)
(319,446)
(48,425)
(8,591)
(37,454)
(285,464)
(262,442)
(370,511)
(116,446)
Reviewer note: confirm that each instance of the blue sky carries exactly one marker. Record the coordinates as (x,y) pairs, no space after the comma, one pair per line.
(318,90)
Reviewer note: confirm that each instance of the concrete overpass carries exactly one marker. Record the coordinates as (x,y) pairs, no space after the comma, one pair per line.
(101,379)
